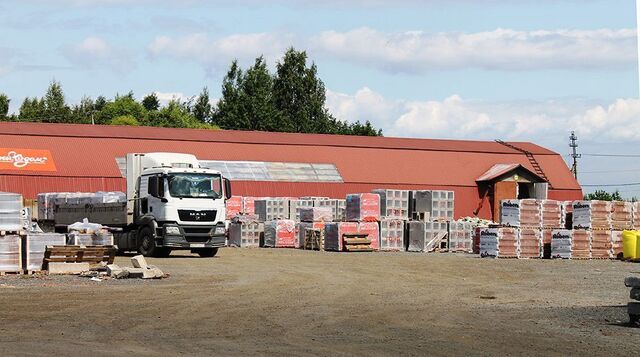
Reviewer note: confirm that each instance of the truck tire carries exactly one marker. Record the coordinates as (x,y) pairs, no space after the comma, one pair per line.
(147,244)
(208,252)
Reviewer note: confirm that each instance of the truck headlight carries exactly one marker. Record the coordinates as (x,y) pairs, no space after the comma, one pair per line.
(172,230)
(219,230)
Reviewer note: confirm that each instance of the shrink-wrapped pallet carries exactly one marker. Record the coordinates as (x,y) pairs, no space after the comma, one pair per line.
(553,214)
(425,236)
(392,235)
(416,235)
(372,229)
(248,204)
(35,246)
(245,234)
(333,234)
(332,204)
(520,213)
(363,207)
(530,243)
(303,227)
(393,203)
(86,239)
(296,205)
(233,206)
(316,214)
(436,204)
(561,243)
(11,212)
(616,244)
(592,215)
(636,215)
(500,242)
(621,215)
(280,234)
(460,237)
(581,244)
(10,254)
(272,209)
(601,244)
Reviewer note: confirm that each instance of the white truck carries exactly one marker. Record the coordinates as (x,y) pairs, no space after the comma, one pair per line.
(172,203)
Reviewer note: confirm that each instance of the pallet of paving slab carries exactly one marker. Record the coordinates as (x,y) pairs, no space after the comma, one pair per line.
(356,242)
(79,254)
(358,248)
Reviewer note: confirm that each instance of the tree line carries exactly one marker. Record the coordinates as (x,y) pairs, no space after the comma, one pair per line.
(290,100)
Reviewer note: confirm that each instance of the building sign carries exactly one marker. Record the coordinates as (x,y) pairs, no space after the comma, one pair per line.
(26,160)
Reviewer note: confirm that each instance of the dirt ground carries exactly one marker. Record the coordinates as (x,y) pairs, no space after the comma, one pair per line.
(292,302)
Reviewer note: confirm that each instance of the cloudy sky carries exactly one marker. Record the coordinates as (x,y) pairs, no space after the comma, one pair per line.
(522,70)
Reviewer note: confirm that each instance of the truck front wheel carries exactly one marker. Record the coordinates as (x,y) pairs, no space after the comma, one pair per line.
(147,244)
(207,253)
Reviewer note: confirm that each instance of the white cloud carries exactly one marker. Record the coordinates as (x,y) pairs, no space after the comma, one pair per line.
(215,54)
(166,97)
(500,49)
(93,52)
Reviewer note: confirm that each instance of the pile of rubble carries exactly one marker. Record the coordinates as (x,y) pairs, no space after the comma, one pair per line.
(140,270)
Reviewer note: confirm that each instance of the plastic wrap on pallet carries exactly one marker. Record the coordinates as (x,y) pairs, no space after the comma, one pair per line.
(341,210)
(438,204)
(392,235)
(11,212)
(233,206)
(10,254)
(476,238)
(530,243)
(553,213)
(500,242)
(460,237)
(280,233)
(35,246)
(393,203)
(272,209)
(636,215)
(248,204)
(86,239)
(333,234)
(363,207)
(616,244)
(621,215)
(416,236)
(373,231)
(601,244)
(302,231)
(245,234)
(316,214)
(296,205)
(592,215)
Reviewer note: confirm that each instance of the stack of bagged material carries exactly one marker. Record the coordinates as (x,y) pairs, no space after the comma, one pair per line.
(233,206)
(10,254)
(561,243)
(636,215)
(616,244)
(393,203)
(333,233)
(581,244)
(296,205)
(392,235)
(500,242)
(372,229)
(436,205)
(245,234)
(363,207)
(601,244)
(530,243)
(592,215)
(553,215)
(460,237)
(272,209)
(621,215)
(11,212)
(35,246)
(280,234)
(633,307)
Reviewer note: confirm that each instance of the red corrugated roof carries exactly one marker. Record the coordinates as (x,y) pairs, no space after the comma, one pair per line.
(87,151)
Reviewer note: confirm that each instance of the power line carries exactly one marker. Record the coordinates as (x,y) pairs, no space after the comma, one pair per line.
(612,155)
(608,171)
(613,185)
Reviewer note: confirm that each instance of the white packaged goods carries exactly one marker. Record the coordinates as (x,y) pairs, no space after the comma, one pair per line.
(521,213)
(272,209)
(316,214)
(245,234)
(280,234)
(616,244)
(416,236)
(530,243)
(500,242)
(85,227)
(621,215)
(87,239)
(10,254)
(460,237)
(35,245)
(510,213)
(47,201)
(591,215)
(392,235)
(553,213)
(11,212)
(393,203)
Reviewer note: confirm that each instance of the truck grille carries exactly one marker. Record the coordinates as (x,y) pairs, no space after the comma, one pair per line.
(197,216)
(196,234)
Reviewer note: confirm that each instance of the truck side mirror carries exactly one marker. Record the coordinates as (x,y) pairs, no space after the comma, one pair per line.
(227,188)
(156,187)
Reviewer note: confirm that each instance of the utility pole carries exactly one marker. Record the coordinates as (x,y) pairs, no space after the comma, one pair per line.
(574,146)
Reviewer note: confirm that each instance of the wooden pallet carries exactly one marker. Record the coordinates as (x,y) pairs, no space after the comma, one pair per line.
(79,254)
(313,240)
(356,242)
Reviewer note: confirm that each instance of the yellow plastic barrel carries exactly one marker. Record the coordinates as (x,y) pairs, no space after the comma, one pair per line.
(629,244)
(637,255)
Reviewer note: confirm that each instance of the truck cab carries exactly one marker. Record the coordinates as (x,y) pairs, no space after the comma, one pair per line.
(173,203)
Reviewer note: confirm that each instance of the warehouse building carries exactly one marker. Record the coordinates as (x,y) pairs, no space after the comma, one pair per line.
(38,157)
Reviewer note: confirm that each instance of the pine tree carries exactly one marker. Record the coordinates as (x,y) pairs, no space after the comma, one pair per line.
(229,108)
(258,107)
(202,107)
(151,102)
(55,108)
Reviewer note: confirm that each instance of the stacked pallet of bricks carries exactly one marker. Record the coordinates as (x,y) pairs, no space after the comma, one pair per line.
(592,215)
(363,210)
(333,233)
(636,215)
(581,244)
(460,237)
(621,215)
(553,217)
(592,220)
(296,205)
(279,233)
(425,236)
(500,242)
(571,244)
(394,211)
(521,213)
(602,244)
(270,209)
(530,243)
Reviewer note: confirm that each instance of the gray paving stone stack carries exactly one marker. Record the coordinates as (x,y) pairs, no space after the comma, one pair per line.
(272,209)
(633,307)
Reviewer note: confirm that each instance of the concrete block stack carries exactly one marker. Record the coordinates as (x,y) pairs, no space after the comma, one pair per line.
(246,234)
(621,215)
(332,204)
(296,205)
(341,211)
(10,254)
(316,214)
(393,203)
(35,245)
(530,243)
(363,207)
(333,233)
(500,242)
(270,209)
(280,233)
(234,206)
(601,244)
(460,236)
(434,205)
(592,215)
(11,212)
(425,236)
(392,235)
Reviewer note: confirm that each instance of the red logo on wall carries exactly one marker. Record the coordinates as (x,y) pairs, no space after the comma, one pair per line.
(26,160)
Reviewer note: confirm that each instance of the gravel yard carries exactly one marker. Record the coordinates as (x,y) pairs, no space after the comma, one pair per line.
(282,301)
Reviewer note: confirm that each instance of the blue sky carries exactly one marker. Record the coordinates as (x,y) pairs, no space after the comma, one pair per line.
(482,69)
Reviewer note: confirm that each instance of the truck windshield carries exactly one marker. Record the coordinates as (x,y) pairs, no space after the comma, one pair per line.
(195,185)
